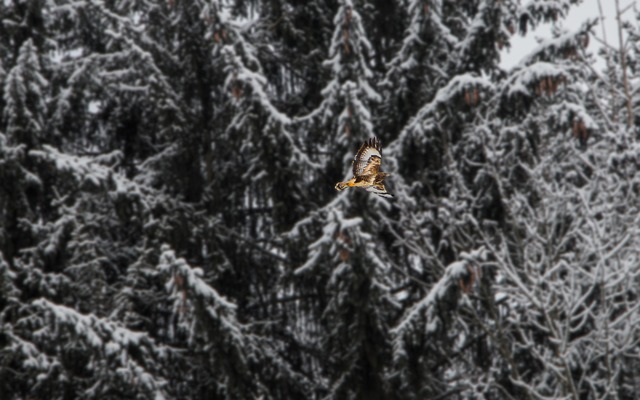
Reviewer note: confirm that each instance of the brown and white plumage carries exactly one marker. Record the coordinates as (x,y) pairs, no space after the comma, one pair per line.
(366,170)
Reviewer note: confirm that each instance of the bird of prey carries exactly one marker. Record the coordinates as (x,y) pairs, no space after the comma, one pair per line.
(366,170)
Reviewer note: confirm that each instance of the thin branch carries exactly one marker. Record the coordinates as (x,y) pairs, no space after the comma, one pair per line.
(596,98)
(623,65)
(610,67)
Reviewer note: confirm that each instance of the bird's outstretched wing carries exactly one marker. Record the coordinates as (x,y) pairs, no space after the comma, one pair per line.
(368,158)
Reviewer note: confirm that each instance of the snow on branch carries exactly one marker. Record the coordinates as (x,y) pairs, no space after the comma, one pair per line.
(538,78)
(128,351)
(332,239)
(241,78)
(320,214)
(429,307)
(95,171)
(211,324)
(574,117)
(157,76)
(97,332)
(458,87)
(8,291)
(255,81)
(565,45)
(187,287)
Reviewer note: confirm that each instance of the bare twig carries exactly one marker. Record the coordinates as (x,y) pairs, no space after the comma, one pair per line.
(610,67)
(623,65)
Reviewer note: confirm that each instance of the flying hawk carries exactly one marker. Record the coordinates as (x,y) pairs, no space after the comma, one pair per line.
(366,170)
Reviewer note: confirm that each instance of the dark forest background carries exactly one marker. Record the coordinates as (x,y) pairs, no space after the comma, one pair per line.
(169,226)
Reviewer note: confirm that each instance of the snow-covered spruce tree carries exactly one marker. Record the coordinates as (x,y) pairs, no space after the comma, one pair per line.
(473,148)
(24,99)
(345,109)
(345,259)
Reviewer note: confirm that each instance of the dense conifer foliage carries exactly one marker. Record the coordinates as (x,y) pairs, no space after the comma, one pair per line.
(169,226)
